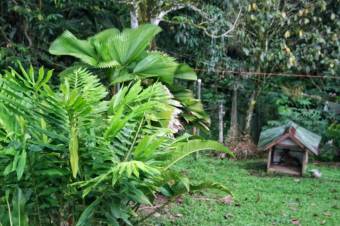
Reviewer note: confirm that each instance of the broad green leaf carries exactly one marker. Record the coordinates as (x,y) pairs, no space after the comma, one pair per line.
(19,214)
(185,72)
(109,48)
(139,197)
(87,213)
(73,148)
(183,149)
(157,65)
(21,164)
(147,146)
(68,44)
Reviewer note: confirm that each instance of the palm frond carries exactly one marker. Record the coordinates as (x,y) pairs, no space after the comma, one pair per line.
(185,72)
(157,65)
(180,150)
(82,96)
(109,48)
(68,44)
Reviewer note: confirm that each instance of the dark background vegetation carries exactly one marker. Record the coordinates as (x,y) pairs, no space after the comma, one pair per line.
(291,37)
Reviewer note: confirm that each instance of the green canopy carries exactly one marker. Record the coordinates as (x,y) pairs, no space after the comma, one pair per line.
(309,139)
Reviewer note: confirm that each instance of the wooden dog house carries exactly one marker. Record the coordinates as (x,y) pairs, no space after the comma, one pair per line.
(288,148)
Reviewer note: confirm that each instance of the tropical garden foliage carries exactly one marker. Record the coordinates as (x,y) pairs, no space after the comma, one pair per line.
(96,138)
(74,153)
(122,57)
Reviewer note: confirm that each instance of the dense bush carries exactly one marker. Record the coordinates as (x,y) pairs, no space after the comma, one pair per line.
(76,154)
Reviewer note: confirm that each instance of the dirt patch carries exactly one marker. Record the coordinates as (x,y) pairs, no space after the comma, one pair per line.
(244,149)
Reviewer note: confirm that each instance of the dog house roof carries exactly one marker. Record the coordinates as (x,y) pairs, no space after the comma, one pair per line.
(293,131)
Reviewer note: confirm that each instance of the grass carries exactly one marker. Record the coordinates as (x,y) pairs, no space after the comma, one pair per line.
(259,199)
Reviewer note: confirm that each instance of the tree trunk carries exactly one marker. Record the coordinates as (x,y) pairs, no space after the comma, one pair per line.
(251,108)
(250,113)
(233,131)
(196,131)
(134,15)
(134,20)
(220,122)
(155,20)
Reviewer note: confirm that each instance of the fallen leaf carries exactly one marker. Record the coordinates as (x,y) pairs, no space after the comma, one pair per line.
(295,222)
(228,216)
(336,206)
(293,206)
(327,214)
(179,200)
(228,200)
(156,214)
(179,215)
(258,198)
(268,213)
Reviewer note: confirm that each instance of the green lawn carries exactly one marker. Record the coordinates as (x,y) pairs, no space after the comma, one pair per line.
(259,199)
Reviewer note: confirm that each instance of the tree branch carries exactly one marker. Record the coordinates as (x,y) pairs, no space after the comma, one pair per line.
(156,20)
(225,34)
(25,30)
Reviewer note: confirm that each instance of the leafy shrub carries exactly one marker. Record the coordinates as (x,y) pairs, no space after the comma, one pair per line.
(70,154)
(122,56)
(331,150)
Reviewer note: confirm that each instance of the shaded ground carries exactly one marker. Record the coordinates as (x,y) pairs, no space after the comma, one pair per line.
(259,199)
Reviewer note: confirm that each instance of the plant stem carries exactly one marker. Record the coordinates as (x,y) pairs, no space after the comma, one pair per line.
(35,190)
(134,140)
(9,212)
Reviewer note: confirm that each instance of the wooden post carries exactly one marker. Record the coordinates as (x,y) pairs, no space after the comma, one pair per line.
(196,131)
(220,122)
(199,86)
(304,162)
(269,161)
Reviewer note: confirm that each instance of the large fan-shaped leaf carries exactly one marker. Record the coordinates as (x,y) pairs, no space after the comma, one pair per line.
(109,48)
(124,58)
(131,43)
(157,65)
(68,44)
